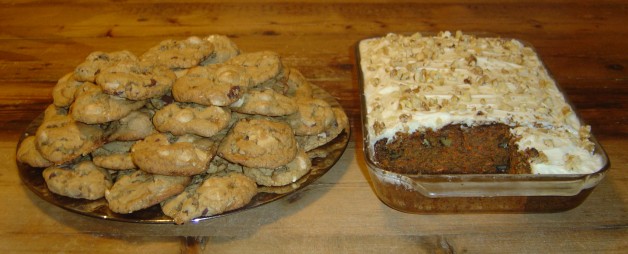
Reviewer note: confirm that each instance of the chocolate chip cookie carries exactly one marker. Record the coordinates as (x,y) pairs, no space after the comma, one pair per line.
(312,117)
(94,62)
(83,180)
(135,80)
(28,153)
(61,139)
(282,175)
(215,195)
(92,106)
(135,126)
(259,67)
(224,49)
(265,102)
(64,91)
(259,143)
(215,84)
(174,155)
(297,85)
(341,124)
(114,155)
(190,118)
(138,190)
(180,54)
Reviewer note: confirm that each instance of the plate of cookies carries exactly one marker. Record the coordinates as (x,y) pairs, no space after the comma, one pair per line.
(190,130)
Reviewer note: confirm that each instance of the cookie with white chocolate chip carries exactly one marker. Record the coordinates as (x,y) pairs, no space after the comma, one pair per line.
(215,84)
(260,67)
(265,102)
(214,195)
(83,180)
(96,61)
(93,106)
(139,190)
(166,154)
(189,118)
(114,155)
(341,123)
(64,91)
(297,85)
(312,117)
(28,153)
(136,80)
(180,54)
(259,143)
(61,139)
(282,175)
(135,126)
(224,49)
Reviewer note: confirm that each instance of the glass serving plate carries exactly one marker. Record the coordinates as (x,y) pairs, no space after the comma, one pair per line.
(33,179)
(479,193)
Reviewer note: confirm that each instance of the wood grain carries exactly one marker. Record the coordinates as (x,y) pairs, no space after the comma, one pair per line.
(583,43)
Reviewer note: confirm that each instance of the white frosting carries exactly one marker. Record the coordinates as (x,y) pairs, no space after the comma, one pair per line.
(412,83)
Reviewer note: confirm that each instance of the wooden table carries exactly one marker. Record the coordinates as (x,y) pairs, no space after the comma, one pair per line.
(585,45)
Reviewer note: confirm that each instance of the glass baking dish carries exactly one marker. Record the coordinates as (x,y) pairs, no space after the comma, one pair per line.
(479,193)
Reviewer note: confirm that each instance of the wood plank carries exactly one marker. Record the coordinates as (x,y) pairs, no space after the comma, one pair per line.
(87,243)
(322,57)
(140,20)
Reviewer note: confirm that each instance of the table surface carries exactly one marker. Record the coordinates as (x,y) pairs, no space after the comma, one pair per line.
(584,44)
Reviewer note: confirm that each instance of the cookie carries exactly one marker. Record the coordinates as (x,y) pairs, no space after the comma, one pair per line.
(172,206)
(218,165)
(114,155)
(83,180)
(53,112)
(312,117)
(180,54)
(297,85)
(135,80)
(259,143)
(224,49)
(216,84)
(28,153)
(174,155)
(282,175)
(95,61)
(265,102)
(135,126)
(65,89)
(139,190)
(92,106)
(259,67)
(156,103)
(188,118)
(60,138)
(341,124)
(215,195)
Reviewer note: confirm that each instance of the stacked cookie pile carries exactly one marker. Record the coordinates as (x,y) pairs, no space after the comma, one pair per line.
(194,125)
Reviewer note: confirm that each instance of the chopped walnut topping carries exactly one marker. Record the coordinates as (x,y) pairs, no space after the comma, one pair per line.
(471,60)
(477,71)
(548,142)
(404,118)
(572,161)
(378,127)
(566,110)
(540,158)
